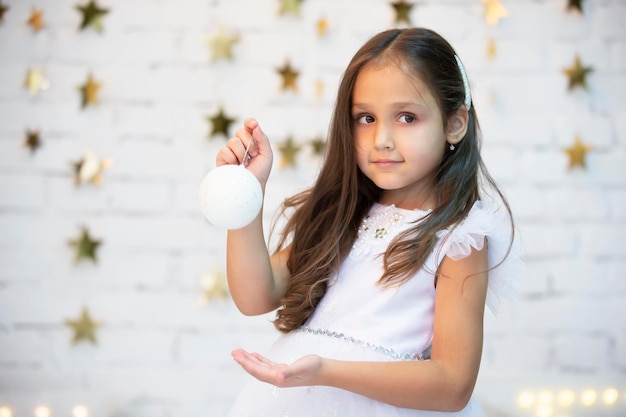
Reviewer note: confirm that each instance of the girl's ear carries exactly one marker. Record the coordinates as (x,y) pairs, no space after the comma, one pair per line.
(457,125)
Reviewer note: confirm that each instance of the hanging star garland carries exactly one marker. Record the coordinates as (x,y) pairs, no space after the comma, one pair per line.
(321,27)
(318,145)
(3,10)
(222,45)
(494,11)
(403,11)
(289,77)
(319,88)
(89,169)
(85,247)
(288,151)
(32,141)
(35,82)
(575,5)
(220,124)
(492,50)
(577,153)
(577,75)
(35,21)
(92,16)
(214,286)
(84,328)
(89,92)
(290,7)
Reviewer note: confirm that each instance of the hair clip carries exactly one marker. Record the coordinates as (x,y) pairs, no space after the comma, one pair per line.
(466,85)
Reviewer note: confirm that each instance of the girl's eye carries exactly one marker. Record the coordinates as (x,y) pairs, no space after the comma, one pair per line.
(365,119)
(407,118)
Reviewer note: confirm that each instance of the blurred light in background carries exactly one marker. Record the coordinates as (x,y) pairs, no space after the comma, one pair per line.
(569,403)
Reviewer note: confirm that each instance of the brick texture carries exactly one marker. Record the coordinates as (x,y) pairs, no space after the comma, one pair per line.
(161,351)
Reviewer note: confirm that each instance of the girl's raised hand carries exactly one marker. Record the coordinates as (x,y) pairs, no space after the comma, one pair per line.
(259,159)
(303,372)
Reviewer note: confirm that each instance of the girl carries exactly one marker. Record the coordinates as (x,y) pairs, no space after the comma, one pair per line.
(385,264)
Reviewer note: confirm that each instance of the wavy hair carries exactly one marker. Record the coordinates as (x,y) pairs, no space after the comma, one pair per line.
(325,218)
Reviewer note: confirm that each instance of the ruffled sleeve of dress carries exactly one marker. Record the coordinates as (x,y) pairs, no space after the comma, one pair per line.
(506,266)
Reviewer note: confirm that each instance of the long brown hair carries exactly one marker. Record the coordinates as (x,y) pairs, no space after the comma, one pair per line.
(325,218)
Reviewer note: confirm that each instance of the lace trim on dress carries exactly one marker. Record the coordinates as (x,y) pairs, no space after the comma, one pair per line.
(381,225)
(370,346)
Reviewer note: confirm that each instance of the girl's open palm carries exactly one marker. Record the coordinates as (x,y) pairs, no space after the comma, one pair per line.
(303,372)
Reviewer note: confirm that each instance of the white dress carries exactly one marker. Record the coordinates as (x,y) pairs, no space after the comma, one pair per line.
(360,320)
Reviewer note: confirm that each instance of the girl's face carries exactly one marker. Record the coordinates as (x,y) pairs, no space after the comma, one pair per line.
(399,135)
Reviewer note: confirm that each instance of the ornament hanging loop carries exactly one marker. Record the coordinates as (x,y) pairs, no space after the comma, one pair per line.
(246,156)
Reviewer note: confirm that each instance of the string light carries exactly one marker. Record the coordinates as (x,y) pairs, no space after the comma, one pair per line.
(567,402)
(566,398)
(5,412)
(610,396)
(545,410)
(588,397)
(526,399)
(545,397)
(42,411)
(80,411)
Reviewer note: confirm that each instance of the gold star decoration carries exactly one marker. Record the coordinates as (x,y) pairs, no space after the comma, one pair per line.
(35,82)
(85,247)
(221,123)
(289,76)
(84,328)
(494,11)
(3,10)
(577,153)
(319,88)
(89,169)
(288,151)
(403,11)
(321,27)
(214,286)
(89,92)
(575,4)
(492,51)
(35,21)
(290,7)
(92,16)
(32,141)
(222,45)
(318,145)
(577,74)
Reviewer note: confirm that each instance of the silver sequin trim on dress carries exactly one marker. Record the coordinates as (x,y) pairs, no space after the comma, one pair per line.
(370,346)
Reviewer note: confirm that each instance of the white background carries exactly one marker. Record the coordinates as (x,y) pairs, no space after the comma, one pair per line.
(162,352)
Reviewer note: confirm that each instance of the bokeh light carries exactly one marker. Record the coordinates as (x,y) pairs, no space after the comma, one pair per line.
(5,412)
(545,397)
(42,411)
(545,410)
(589,397)
(80,411)
(526,399)
(566,398)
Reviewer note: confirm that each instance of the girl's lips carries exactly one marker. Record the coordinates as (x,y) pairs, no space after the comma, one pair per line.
(385,162)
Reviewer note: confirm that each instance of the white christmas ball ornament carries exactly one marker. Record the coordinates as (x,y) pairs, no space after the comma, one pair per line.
(230,196)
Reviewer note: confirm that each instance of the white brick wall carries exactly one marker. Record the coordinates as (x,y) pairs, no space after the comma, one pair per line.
(160,351)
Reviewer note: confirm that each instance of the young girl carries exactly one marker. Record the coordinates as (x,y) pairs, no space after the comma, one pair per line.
(386,263)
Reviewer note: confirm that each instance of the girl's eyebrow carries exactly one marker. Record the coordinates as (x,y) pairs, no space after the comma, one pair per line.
(398,105)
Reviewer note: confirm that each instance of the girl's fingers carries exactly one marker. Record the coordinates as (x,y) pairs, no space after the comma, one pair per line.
(258,159)
(261,143)
(235,150)
(262,359)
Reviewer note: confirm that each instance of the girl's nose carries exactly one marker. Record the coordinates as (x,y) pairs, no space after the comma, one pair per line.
(383,138)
